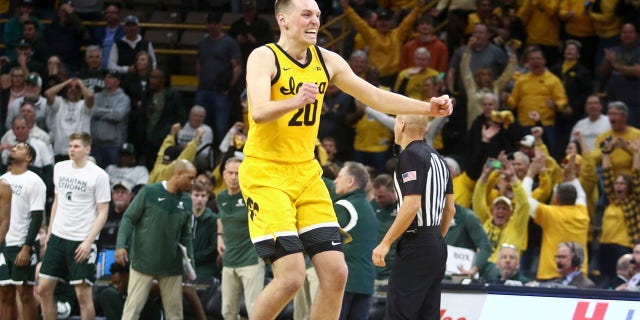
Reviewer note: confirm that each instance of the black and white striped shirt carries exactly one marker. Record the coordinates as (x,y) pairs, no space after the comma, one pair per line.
(422,171)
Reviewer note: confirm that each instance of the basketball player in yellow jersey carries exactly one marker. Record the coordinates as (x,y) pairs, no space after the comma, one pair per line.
(289,205)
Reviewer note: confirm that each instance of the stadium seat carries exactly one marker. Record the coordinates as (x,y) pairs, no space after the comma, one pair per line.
(145,3)
(190,38)
(196,17)
(228,18)
(160,38)
(166,17)
(141,14)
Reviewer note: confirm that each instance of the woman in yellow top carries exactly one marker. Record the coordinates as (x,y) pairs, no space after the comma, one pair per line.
(621,219)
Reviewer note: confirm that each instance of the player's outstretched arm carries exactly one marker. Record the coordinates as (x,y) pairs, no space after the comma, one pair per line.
(260,70)
(385,101)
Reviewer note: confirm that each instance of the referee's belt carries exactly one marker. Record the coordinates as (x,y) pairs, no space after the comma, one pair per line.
(415,230)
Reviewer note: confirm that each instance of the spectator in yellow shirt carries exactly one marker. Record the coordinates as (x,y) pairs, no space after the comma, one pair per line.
(410,80)
(621,219)
(540,91)
(540,18)
(385,43)
(506,221)
(620,158)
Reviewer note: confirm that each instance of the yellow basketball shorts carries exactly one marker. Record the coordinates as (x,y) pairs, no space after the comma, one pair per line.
(289,208)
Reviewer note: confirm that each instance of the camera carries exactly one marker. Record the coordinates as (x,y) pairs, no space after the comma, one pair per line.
(604,142)
(496,164)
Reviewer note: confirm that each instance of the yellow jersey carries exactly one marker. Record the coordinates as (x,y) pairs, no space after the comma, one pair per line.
(292,137)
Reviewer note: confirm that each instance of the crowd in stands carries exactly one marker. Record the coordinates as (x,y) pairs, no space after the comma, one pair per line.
(543,142)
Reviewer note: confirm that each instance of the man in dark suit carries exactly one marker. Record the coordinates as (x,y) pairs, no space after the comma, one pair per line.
(569,259)
(624,272)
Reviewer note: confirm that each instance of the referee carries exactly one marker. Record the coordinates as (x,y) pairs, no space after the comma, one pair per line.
(425,194)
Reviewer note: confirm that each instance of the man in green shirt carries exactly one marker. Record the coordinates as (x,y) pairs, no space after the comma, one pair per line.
(158,219)
(356,216)
(241,268)
(204,227)
(466,231)
(385,205)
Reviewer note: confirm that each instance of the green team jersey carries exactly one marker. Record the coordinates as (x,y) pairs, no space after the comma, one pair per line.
(233,214)
(386,216)
(151,228)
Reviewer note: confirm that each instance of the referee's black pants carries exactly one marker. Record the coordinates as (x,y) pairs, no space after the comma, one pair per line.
(414,284)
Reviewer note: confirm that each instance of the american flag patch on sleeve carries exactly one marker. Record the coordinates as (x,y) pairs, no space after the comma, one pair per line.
(408,176)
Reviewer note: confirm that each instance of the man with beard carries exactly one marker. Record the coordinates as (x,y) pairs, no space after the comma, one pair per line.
(19,254)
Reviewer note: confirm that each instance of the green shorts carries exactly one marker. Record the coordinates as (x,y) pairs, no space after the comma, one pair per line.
(10,274)
(59,263)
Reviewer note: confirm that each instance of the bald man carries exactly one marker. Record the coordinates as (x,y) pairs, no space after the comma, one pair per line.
(425,192)
(155,223)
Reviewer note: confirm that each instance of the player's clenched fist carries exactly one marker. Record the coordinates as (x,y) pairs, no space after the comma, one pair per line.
(441,106)
(307,93)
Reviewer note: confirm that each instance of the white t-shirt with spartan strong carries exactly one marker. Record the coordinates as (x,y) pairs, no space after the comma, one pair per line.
(28,193)
(78,190)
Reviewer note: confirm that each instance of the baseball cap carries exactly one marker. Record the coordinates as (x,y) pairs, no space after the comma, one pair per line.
(26,3)
(113,73)
(384,14)
(23,44)
(503,199)
(527,141)
(123,184)
(131,19)
(34,78)
(127,148)
(214,16)
(171,153)
(573,42)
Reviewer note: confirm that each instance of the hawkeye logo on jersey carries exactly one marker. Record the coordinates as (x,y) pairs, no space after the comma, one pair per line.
(295,87)
(253,208)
